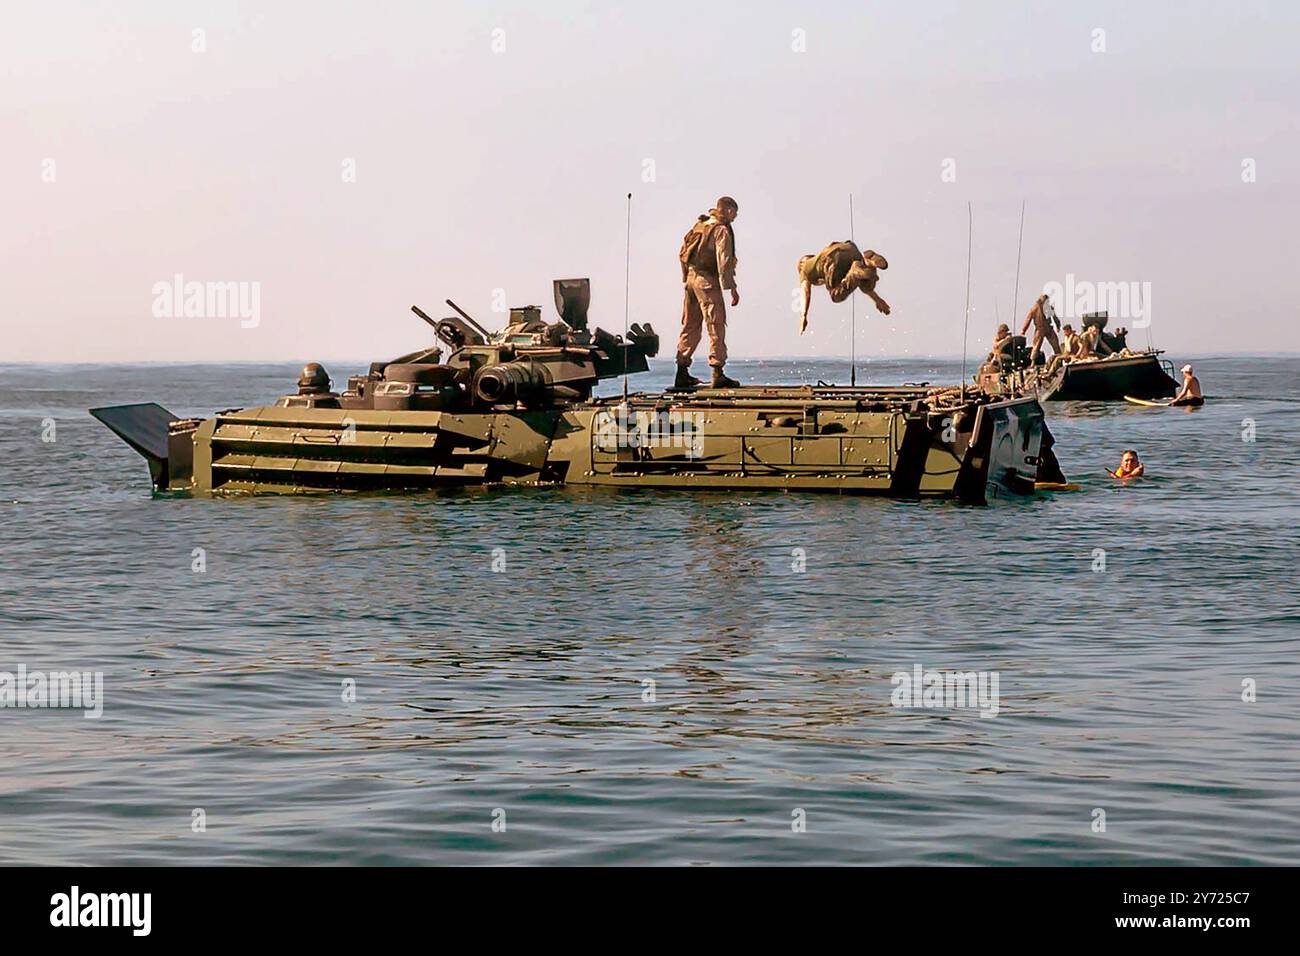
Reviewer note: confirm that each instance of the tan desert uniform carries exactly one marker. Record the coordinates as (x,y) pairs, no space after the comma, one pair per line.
(710,269)
(1042,328)
(840,268)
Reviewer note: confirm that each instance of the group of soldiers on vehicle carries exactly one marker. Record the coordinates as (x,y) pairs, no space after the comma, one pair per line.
(708,263)
(1088,343)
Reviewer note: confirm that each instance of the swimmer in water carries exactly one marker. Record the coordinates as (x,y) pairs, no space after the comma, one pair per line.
(1129,466)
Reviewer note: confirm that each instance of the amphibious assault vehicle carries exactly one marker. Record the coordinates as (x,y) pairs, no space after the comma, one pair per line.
(1124,372)
(517,408)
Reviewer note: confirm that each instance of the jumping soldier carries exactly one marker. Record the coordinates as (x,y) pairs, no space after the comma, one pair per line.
(843,269)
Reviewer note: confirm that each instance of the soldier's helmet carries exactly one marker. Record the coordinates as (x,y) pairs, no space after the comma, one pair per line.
(727,201)
(313,379)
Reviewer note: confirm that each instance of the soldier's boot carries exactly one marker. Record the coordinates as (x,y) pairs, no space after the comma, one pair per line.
(685,379)
(720,379)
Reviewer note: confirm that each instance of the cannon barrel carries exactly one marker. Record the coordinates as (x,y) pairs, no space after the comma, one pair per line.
(510,382)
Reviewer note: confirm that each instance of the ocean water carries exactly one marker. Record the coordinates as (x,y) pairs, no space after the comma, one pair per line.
(521,696)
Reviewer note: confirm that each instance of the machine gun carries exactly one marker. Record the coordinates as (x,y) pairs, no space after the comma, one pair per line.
(529,363)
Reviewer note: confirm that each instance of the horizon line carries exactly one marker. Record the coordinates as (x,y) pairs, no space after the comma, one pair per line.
(656,360)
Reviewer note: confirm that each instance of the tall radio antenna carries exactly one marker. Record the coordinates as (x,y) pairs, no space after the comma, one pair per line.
(853,304)
(627,290)
(1015,295)
(1144,315)
(970,241)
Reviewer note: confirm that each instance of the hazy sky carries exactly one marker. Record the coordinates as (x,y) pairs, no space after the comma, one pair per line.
(492,145)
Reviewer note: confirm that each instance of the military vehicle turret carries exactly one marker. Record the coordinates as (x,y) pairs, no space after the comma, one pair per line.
(516,407)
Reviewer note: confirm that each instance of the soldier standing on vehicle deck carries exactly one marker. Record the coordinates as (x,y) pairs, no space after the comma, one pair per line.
(708,259)
(1043,318)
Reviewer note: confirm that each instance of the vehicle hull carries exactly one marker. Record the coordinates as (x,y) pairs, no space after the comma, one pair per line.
(894,442)
(1143,375)
(1109,380)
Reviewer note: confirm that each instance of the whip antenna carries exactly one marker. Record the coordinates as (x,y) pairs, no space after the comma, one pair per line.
(970,236)
(1147,317)
(627,288)
(1019,244)
(853,304)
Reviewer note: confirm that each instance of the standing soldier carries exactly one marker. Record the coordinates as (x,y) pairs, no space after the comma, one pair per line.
(844,269)
(1042,316)
(708,258)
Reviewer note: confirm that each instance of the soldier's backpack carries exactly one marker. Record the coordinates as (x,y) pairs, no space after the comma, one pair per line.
(691,243)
